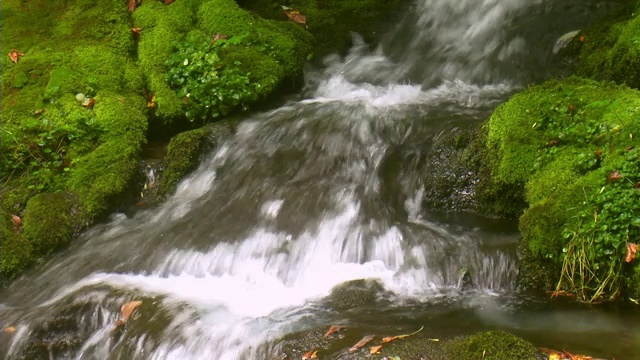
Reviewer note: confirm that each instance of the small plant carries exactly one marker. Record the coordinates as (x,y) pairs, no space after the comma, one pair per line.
(207,85)
(595,251)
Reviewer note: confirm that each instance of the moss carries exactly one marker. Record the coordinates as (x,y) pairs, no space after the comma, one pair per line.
(49,221)
(332,21)
(559,141)
(490,345)
(184,151)
(611,48)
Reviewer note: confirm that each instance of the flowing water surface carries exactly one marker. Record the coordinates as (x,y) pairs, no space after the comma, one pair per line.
(324,190)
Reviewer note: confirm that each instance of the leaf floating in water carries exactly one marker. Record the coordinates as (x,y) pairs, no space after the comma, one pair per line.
(632,249)
(364,341)
(375,349)
(332,329)
(9,330)
(310,355)
(400,337)
(127,309)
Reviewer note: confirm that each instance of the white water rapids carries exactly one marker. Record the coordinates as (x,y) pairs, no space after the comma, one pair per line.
(303,198)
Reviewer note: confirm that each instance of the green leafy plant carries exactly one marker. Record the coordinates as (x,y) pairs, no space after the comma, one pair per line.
(209,87)
(610,219)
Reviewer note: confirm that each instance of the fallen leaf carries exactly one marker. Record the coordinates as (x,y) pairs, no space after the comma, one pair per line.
(9,330)
(582,39)
(310,355)
(295,16)
(629,148)
(614,176)
(16,221)
(152,102)
(361,343)
(184,99)
(570,107)
(133,4)
(167,2)
(399,337)
(632,249)
(15,55)
(38,111)
(90,103)
(127,309)
(136,32)
(375,349)
(598,153)
(333,329)
(218,37)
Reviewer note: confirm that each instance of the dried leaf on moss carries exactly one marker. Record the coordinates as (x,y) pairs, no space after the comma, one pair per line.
(15,55)
(133,4)
(295,15)
(375,349)
(313,354)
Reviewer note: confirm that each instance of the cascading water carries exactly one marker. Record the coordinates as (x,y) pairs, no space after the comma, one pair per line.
(304,198)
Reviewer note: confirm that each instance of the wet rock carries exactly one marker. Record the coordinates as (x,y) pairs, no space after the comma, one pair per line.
(185,150)
(356,294)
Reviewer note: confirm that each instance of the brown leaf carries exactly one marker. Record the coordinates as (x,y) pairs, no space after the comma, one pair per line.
(333,329)
(614,176)
(9,330)
(16,221)
(90,103)
(582,39)
(136,33)
(399,337)
(598,153)
(133,4)
(218,37)
(295,16)
(362,343)
(629,148)
(632,249)
(167,2)
(310,355)
(127,309)
(152,104)
(560,293)
(375,349)
(15,55)
(38,111)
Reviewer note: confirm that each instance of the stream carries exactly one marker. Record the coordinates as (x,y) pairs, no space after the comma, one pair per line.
(323,190)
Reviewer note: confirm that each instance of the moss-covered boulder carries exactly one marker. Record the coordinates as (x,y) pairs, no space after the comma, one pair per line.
(488,345)
(609,49)
(572,146)
(332,21)
(356,294)
(190,51)
(186,149)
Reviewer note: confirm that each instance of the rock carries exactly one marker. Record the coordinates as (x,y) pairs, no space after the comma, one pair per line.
(489,345)
(356,294)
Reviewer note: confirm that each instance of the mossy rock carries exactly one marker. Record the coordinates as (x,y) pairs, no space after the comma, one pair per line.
(560,141)
(355,294)
(498,345)
(271,53)
(185,150)
(609,49)
(332,21)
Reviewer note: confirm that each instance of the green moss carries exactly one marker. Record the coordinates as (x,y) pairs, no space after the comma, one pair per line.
(611,48)
(489,345)
(560,141)
(332,21)
(60,80)
(184,151)
(49,222)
